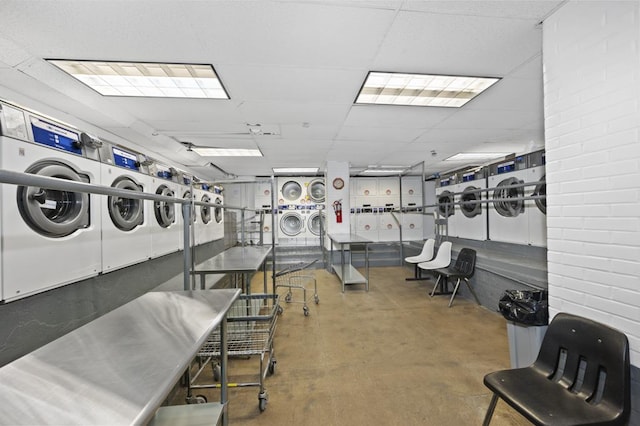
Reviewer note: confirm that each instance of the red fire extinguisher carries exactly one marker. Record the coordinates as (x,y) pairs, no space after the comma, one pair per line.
(337,207)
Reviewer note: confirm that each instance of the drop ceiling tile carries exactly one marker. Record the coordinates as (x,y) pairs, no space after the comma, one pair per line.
(532,10)
(377,134)
(396,116)
(480,46)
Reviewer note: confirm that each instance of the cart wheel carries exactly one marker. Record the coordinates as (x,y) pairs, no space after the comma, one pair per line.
(217,372)
(306,311)
(287,298)
(262,401)
(316,299)
(280,310)
(198,399)
(272,367)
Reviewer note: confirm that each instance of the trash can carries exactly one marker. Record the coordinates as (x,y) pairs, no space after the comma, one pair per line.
(527,315)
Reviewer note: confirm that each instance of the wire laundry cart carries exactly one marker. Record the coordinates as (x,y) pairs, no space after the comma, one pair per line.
(251,326)
(298,277)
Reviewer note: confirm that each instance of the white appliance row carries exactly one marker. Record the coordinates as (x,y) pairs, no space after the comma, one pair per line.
(301,203)
(506,217)
(52,238)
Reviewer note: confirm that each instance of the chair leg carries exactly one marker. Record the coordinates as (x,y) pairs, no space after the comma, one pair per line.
(473,292)
(492,406)
(435,286)
(455,290)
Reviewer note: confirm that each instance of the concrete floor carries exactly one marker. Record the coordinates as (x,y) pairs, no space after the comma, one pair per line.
(392,356)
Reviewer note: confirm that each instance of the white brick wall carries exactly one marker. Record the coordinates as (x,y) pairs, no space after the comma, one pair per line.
(591,57)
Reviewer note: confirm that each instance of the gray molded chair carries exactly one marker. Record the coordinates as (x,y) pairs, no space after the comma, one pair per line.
(581,377)
(462,270)
(425,255)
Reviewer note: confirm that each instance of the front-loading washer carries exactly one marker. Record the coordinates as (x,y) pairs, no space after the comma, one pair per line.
(537,209)
(292,225)
(471,222)
(316,191)
(203,215)
(166,231)
(49,237)
(445,199)
(292,191)
(316,223)
(218,213)
(388,222)
(511,221)
(126,222)
(411,218)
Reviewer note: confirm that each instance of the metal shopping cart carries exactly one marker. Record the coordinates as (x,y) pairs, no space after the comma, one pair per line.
(251,326)
(298,277)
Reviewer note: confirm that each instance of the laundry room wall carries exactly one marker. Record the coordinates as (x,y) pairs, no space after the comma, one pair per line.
(592,120)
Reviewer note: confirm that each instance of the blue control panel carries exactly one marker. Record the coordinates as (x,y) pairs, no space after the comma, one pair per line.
(127,160)
(468,177)
(506,167)
(55,136)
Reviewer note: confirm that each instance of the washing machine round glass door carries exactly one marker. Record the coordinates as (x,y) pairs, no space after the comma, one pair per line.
(51,212)
(541,190)
(205,211)
(468,204)
(126,213)
(291,190)
(165,211)
(316,190)
(505,190)
(291,224)
(217,211)
(313,223)
(445,203)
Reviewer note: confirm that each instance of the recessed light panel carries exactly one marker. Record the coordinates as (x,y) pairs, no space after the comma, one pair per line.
(227,152)
(421,89)
(145,79)
(477,156)
(295,170)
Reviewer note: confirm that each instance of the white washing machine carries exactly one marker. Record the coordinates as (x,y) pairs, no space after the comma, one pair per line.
(316,223)
(218,214)
(471,221)
(49,237)
(186,192)
(365,220)
(166,231)
(537,210)
(412,220)
(517,222)
(388,228)
(445,189)
(294,209)
(126,222)
(292,190)
(204,214)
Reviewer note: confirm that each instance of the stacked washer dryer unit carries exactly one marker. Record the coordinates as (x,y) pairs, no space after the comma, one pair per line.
(126,222)
(364,199)
(49,237)
(388,200)
(316,222)
(517,221)
(166,231)
(471,219)
(293,210)
(264,204)
(411,219)
(204,213)
(446,186)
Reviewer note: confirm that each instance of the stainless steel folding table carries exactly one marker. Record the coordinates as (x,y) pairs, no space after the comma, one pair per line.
(347,273)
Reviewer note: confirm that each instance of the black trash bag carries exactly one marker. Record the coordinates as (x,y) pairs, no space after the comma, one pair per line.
(529,307)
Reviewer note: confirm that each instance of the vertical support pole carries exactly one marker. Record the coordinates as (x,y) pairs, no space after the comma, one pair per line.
(401,260)
(242,242)
(224,397)
(186,221)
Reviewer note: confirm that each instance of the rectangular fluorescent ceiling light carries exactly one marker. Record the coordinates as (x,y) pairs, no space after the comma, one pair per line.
(382,171)
(145,79)
(227,152)
(477,156)
(293,170)
(421,89)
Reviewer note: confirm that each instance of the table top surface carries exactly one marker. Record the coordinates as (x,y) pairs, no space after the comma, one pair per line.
(235,259)
(118,368)
(348,239)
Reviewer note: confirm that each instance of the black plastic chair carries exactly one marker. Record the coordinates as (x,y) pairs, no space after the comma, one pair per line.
(581,377)
(462,270)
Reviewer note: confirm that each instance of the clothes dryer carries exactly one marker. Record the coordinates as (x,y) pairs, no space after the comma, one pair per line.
(388,228)
(537,209)
(513,221)
(126,222)
(292,225)
(166,231)
(471,223)
(49,237)
(204,215)
(292,191)
(412,218)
